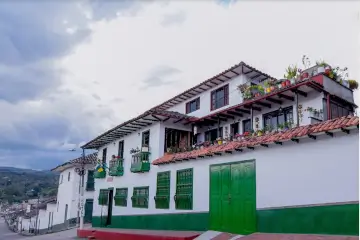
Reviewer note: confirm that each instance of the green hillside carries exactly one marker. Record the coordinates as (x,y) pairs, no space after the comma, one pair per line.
(18,184)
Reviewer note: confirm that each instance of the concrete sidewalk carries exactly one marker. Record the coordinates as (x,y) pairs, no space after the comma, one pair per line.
(63,235)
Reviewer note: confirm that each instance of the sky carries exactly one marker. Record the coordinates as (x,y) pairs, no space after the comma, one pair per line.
(71,70)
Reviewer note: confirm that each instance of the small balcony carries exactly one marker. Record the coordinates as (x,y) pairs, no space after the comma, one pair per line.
(177,140)
(140,160)
(116,166)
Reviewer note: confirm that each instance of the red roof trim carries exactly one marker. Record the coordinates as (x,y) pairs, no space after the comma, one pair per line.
(292,134)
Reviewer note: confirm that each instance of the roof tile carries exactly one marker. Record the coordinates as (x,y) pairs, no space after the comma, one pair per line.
(343,122)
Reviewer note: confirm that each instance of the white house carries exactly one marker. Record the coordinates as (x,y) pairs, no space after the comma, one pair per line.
(64,211)
(241,152)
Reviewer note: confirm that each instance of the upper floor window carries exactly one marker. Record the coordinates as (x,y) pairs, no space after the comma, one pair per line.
(69,176)
(220,97)
(337,109)
(278,117)
(145,138)
(61,178)
(121,149)
(104,155)
(193,105)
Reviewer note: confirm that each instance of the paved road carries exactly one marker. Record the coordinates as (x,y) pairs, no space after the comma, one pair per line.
(6,234)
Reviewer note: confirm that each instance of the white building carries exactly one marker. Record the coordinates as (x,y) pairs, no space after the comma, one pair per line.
(64,211)
(297,172)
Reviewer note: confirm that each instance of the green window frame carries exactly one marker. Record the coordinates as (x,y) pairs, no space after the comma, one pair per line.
(103,197)
(140,198)
(90,183)
(162,197)
(184,189)
(120,197)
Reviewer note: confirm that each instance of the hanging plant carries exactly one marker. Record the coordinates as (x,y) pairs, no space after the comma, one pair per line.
(353,84)
(300,112)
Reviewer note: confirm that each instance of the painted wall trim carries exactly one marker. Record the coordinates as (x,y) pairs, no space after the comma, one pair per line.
(311,205)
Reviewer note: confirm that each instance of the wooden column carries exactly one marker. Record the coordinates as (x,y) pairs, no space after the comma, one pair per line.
(252,117)
(297,108)
(219,127)
(328,107)
(166,137)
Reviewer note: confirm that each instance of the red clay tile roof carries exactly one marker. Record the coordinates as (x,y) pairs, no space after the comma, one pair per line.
(89,159)
(292,134)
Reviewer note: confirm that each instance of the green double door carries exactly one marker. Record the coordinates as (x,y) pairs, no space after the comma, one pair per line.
(233,197)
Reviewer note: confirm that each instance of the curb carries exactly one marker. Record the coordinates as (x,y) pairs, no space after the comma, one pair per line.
(109,235)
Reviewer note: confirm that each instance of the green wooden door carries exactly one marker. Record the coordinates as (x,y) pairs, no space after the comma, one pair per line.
(88,210)
(233,198)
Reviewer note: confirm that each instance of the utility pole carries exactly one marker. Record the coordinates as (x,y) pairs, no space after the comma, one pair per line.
(81,172)
(37,215)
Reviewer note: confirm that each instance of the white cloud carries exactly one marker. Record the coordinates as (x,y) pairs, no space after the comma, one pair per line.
(209,38)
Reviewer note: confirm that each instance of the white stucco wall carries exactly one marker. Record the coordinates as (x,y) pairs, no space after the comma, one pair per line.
(310,172)
(43,219)
(68,193)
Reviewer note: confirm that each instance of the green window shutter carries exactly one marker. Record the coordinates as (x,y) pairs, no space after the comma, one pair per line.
(162,198)
(140,198)
(120,197)
(184,189)
(90,183)
(103,197)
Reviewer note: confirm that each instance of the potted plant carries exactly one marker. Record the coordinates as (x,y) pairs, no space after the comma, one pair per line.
(280,126)
(321,66)
(327,70)
(267,86)
(353,84)
(287,125)
(246,134)
(169,150)
(260,132)
(290,74)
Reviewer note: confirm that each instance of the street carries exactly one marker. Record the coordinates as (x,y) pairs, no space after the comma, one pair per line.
(6,234)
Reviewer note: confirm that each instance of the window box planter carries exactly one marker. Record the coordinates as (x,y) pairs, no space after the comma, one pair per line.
(140,162)
(100,174)
(116,167)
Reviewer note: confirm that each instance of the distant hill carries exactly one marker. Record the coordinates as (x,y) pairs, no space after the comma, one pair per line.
(18,184)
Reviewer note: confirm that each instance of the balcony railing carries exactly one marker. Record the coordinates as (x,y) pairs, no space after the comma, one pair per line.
(140,162)
(249,91)
(116,167)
